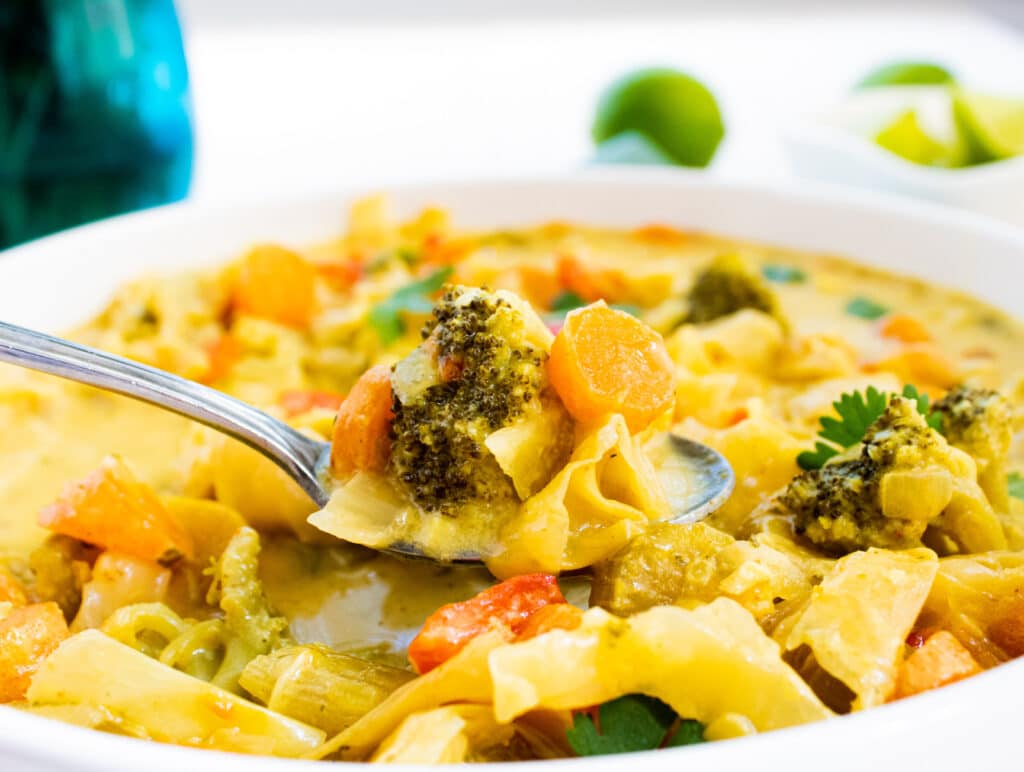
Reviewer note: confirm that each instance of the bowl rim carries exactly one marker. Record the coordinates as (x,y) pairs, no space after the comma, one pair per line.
(29,739)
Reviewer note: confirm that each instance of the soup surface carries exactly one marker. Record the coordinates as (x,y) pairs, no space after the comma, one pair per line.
(506,395)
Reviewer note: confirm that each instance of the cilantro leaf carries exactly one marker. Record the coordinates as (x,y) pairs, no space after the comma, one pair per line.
(1015,482)
(689,732)
(634,722)
(866,309)
(783,274)
(856,413)
(386,316)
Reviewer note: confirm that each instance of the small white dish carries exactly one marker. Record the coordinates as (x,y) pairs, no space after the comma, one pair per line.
(837,145)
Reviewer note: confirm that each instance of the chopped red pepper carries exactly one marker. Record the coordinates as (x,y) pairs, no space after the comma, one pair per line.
(506,607)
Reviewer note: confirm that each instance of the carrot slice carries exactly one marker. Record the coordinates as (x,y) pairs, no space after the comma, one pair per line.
(11,590)
(589,283)
(28,635)
(342,274)
(361,440)
(905,328)
(940,660)
(112,509)
(607,361)
(223,354)
(298,401)
(506,606)
(922,364)
(662,235)
(277,284)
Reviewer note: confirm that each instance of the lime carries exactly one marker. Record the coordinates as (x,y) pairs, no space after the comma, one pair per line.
(992,127)
(907,74)
(906,138)
(674,111)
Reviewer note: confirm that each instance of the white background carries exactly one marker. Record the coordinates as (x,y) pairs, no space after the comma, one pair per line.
(310,95)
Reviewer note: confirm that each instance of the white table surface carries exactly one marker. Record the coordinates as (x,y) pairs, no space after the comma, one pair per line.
(310,96)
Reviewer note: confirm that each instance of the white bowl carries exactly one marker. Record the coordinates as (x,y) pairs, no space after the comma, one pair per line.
(62,279)
(835,145)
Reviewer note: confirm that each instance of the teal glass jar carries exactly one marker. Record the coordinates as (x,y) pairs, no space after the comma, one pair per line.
(95,117)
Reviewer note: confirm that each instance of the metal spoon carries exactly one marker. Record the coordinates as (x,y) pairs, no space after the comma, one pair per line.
(305,459)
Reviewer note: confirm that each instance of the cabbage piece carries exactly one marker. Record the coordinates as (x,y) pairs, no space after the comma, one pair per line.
(605,494)
(92,669)
(705,663)
(859,617)
(445,735)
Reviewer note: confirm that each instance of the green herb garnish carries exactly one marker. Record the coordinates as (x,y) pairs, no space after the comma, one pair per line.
(634,722)
(1015,484)
(783,274)
(386,316)
(856,413)
(866,309)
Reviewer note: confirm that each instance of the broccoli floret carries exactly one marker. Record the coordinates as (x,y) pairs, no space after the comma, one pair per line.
(887,492)
(979,422)
(480,367)
(726,286)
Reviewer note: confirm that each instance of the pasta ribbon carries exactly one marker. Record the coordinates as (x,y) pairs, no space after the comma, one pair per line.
(604,495)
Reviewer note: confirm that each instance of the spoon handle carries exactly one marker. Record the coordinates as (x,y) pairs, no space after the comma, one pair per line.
(295,453)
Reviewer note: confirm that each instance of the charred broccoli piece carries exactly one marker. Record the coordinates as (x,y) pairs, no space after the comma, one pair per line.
(979,422)
(887,492)
(726,286)
(480,367)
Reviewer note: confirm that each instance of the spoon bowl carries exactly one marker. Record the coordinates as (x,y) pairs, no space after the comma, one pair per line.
(697,478)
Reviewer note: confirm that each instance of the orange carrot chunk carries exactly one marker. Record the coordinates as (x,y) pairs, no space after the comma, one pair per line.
(1007,632)
(507,607)
(607,361)
(298,401)
(28,635)
(223,354)
(361,440)
(112,509)
(277,284)
(905,328)
(940,660)
(11,590)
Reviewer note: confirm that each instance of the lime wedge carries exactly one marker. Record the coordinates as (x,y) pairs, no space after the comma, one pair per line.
(992,127)
(907,74)
(672,110)
(906,138)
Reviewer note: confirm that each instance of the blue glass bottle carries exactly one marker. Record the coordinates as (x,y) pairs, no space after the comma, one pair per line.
(95,117)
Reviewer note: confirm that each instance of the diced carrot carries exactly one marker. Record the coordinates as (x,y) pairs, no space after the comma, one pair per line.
(11,590)
(506,607)
(922,364)
(223,354)
(539,285)
(299,401)
(442,250)
(342,274)
(112,509)
(665,235)
(736,416)
(940,660)
(1007,632)
(607,361)
(28,635)
(555,616)
(277,284)
(361,440)
(905,328)
(591,284)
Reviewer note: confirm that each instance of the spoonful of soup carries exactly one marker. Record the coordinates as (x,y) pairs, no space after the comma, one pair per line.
(439,456)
